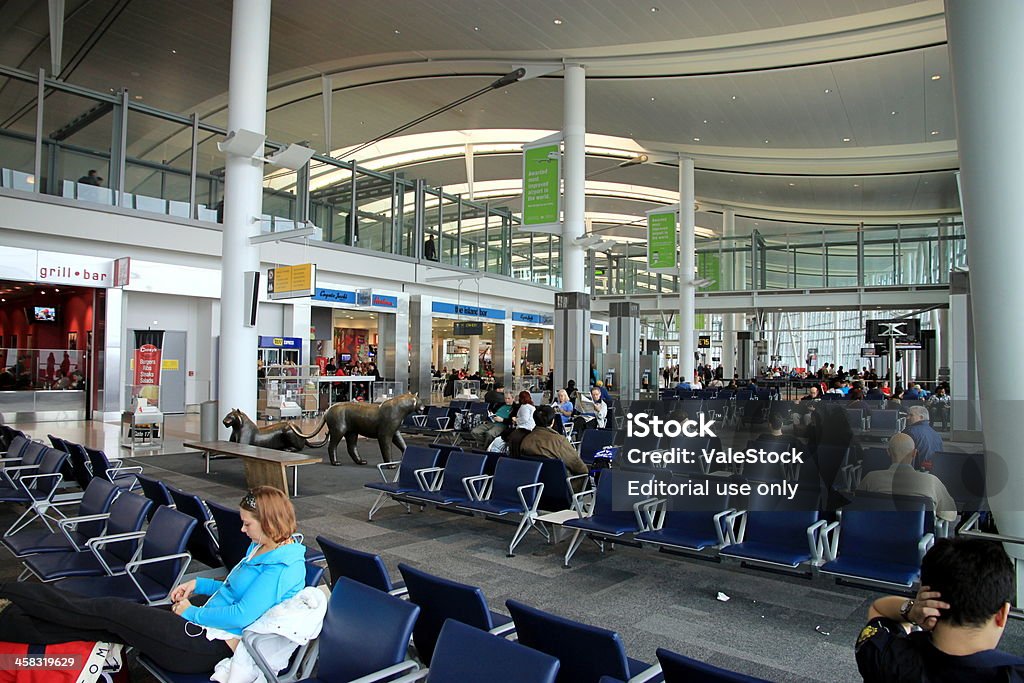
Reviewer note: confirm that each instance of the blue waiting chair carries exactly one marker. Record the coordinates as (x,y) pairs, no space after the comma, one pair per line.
(113,470)
(405,480)
(466,654)
(440,599)
(314,574)
(150,577)
(355,565)
(680,669)
(688,523)
(201,544)
(74,532)
(225,528)
(513,489)
(156,491)
(107,553)
(343,652)
(35,488)
(877,547)
(763,535)
(594,440)
(604,523)
(585,652)
(448,485)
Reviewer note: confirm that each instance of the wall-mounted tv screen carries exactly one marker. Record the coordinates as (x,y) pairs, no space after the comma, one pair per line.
(43,314)
(346,357)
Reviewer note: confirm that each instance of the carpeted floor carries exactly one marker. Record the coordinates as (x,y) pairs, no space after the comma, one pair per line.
(776,627)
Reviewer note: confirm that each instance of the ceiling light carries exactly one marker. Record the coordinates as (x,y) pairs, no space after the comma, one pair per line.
(705,120)
(892,113)
(935,132)
(397,32)
(766,142)
(558,22)
(57,289)
(936,77)
(653,98)
(696,139)
(42,291)
(654,9)
(138,97)
(856,184)
(828,90)
(476,28)
(792,184)
(174,52)
(734,97)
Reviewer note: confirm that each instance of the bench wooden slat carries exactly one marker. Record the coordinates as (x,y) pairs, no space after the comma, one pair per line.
(263,466)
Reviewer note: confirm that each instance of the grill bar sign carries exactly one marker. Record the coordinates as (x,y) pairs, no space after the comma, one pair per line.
(291,282)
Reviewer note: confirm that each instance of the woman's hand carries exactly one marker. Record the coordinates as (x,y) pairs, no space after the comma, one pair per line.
(180,606)
(183,591)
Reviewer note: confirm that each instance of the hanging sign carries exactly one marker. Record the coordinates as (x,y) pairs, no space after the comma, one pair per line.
(542,175)
(661,240)
(291,282)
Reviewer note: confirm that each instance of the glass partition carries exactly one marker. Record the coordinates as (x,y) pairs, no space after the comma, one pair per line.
(77,134)
(158,162)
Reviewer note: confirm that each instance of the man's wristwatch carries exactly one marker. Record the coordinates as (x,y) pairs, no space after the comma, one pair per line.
(905,611)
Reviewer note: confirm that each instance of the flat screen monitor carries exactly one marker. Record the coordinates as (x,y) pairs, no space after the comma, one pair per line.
(346,357)
(44,314)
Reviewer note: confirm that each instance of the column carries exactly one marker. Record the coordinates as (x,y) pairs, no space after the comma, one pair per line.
(547,350)
(986,57)
(729,320)
(474,353)
(572,324)
(297,321)
(624,339)
(243,200)
(517,350)
(421,344)
(502,354)
(687,264)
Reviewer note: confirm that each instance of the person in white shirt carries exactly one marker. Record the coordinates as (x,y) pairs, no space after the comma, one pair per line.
(903,479)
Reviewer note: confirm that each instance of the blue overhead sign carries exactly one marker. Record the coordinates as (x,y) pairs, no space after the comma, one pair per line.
(340,296)
(280,342)
(532,318)
(472,311)
(598,326)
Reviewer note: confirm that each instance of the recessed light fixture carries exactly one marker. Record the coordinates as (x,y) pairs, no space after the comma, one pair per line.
(57,290)
(476,28)
(42,291)
(654,9)
(696,139)
(846,139)
(893,113)
(936,77)
(935,132)
(792,184)
(828,90)
(766,142)
(705,120)
(734,97)
(397,32)
(856,184)
(653,98)
(174,52)
(558,22)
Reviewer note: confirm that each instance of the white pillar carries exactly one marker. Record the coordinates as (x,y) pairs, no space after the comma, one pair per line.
(574,130)
(729,320)
(517,350)
(986,57)
(547,337)
(243,200)
(687,263)
(474,353)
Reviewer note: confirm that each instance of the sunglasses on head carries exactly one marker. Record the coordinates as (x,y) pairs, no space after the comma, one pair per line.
(249,502)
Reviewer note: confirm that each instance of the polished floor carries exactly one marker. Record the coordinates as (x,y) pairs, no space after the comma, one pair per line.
(776,627)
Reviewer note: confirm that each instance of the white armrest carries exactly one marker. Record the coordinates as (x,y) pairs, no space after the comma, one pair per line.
(383,674)
(476,492)
(646,675)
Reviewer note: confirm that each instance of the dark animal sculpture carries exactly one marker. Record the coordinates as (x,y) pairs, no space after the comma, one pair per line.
(352,420)
(245,431)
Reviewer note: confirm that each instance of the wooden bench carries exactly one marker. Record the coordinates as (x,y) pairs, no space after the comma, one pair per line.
(263,466)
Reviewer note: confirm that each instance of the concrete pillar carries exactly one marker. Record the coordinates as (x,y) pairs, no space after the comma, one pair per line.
(687,264)
(624,340)
(502,353)
(548,349)
(986,57)
(572,309)
(421,344)
(474,353)
(243,201)
(393,344)
(730,321)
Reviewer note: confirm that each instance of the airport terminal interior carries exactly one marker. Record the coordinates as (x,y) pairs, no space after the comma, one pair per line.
(656,322)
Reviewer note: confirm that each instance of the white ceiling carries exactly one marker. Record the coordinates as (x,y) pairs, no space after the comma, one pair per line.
(776,58)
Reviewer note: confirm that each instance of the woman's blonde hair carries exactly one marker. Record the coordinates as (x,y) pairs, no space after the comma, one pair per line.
(274,511)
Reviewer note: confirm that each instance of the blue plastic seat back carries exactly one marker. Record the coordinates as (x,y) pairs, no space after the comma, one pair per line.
(855,417)
(679,669)
(355,565)
(356,610)
(884,420)
(232,543)
(127,514)
(593,441)
(79,460)
(314,574)
(882,536)
(51,463)
(98,498)
(415,458)
(557,495)
(874,459)
(441,599)
(895,502)
(963,474)
(613,482)
(585,652)
(509,475)
(167,534)
(435,415)
(17,446)
(200,544)
(465,654)
(459,466)
(781,528)
(156,491)
(696,513)
(99,461)
(58,443)
(33,453)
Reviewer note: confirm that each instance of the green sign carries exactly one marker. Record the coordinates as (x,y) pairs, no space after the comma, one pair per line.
(661,240)
(541,189)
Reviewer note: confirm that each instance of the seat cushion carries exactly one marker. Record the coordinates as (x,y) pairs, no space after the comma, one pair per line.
(388,487)
(859,568)
(114,587)
(60,565)
(438,497)
(34,541)
(766,552)
(678,538)
(492,508)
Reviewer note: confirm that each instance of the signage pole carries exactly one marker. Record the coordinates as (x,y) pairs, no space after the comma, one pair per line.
(892,364)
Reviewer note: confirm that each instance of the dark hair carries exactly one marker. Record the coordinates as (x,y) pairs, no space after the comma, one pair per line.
(544,416)
(525,398)
(974,576)
(775,421)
